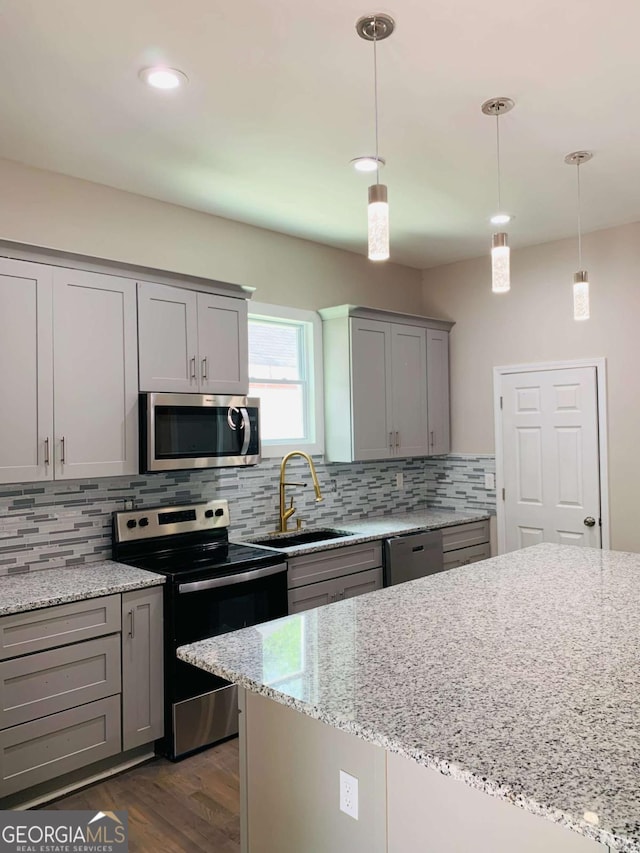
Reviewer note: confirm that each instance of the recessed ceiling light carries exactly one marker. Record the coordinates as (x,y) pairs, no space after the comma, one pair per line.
(501,218)
(367,164)
(160,77)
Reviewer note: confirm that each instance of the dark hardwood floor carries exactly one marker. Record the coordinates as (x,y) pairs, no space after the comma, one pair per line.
(193,805)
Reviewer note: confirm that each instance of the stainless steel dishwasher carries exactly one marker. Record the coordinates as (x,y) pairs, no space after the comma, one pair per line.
(411,556)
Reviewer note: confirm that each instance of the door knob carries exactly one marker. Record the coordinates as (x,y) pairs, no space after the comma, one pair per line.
(590,521)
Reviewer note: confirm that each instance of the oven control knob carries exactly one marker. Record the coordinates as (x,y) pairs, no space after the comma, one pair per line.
(132,522)
(144,522)
(219,512)
(208,513)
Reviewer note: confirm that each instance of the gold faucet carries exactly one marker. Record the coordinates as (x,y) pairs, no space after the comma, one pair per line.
(287,512)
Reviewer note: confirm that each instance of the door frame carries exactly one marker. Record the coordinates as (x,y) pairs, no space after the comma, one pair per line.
(600,365)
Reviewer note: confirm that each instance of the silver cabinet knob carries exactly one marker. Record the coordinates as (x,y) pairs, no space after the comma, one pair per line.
(590,521)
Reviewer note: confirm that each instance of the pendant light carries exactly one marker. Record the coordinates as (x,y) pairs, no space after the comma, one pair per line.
(375,28)
(580,278)
(500,253)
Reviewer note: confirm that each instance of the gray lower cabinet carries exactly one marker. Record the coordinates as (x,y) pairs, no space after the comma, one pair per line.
(326,592)
(51,746)
(79,683)
(463,544)
(142,667)
(327,576)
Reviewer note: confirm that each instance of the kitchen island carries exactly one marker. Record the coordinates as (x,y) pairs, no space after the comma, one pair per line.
(492,707)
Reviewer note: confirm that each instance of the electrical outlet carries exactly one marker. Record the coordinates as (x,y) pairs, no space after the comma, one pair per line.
(489,481)
(349,794)
(399,480)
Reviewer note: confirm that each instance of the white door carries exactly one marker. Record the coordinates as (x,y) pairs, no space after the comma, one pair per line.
(168,335)
(371,389)
(95,376)
(223,344)
(409,390)
(550,458)
(438,391)
(26,374)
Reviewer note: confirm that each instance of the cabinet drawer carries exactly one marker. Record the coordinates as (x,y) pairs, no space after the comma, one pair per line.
(325,565)
(43,749)
(464,556)
(313,595)
(38,630)
(48,682)
(465,535)
(361,583)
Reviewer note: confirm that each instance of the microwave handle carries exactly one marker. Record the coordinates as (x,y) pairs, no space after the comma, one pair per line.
(246,423)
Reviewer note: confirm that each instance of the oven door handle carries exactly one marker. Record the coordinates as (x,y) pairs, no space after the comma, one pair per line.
(231,580)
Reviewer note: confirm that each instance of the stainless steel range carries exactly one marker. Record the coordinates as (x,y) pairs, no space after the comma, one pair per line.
(212,587)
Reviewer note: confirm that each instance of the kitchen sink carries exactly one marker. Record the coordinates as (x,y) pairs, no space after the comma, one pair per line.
(304,537)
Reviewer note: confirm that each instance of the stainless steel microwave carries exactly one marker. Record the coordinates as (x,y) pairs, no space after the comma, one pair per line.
(190,431)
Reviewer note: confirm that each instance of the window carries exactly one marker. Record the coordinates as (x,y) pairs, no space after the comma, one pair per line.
(285,372)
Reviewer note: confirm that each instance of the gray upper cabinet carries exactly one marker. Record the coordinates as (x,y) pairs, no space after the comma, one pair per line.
(438,391)
(168,338)
(382,398)
(68,348)
(95,351)
(191,341)
(142,667)
(26,378)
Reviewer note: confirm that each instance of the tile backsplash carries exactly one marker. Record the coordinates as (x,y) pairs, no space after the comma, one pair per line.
(44,525)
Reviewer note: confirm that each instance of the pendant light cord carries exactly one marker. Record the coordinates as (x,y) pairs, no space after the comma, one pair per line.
(579,221)
(498,160)
(375,93)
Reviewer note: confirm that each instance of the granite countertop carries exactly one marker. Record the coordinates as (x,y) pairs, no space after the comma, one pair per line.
(370,529)
(44,588)
(519,675)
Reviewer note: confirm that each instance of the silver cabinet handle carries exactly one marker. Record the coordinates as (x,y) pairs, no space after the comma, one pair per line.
(46,450)
(397,439)
(132,625)
(390,441)
(431,441)
(204,367)
(62,450)
(193,366)
(590,521)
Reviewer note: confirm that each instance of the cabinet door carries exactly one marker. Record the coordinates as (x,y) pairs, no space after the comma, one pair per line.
(26,377)
(360,583)
(223,344)
(314,595)
(95,378)
(371,389)
(142,667)
(409,390)
(438,391)
(168,338)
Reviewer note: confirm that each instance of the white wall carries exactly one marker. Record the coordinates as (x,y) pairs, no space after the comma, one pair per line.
(534,323)
(47,209)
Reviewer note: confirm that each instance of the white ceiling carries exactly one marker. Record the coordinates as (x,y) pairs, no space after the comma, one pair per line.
(280,99)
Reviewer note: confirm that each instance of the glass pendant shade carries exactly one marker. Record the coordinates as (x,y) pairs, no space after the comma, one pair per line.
(581,295)
(378,229)
(500,264)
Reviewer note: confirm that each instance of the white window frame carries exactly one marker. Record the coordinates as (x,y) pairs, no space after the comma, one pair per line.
(312,329)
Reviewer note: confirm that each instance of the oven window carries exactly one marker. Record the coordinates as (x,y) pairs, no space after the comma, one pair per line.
(205,613)
(190,432)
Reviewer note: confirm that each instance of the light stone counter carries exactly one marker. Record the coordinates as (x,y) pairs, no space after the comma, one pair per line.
(370,529)
(519,675)
(44,588)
